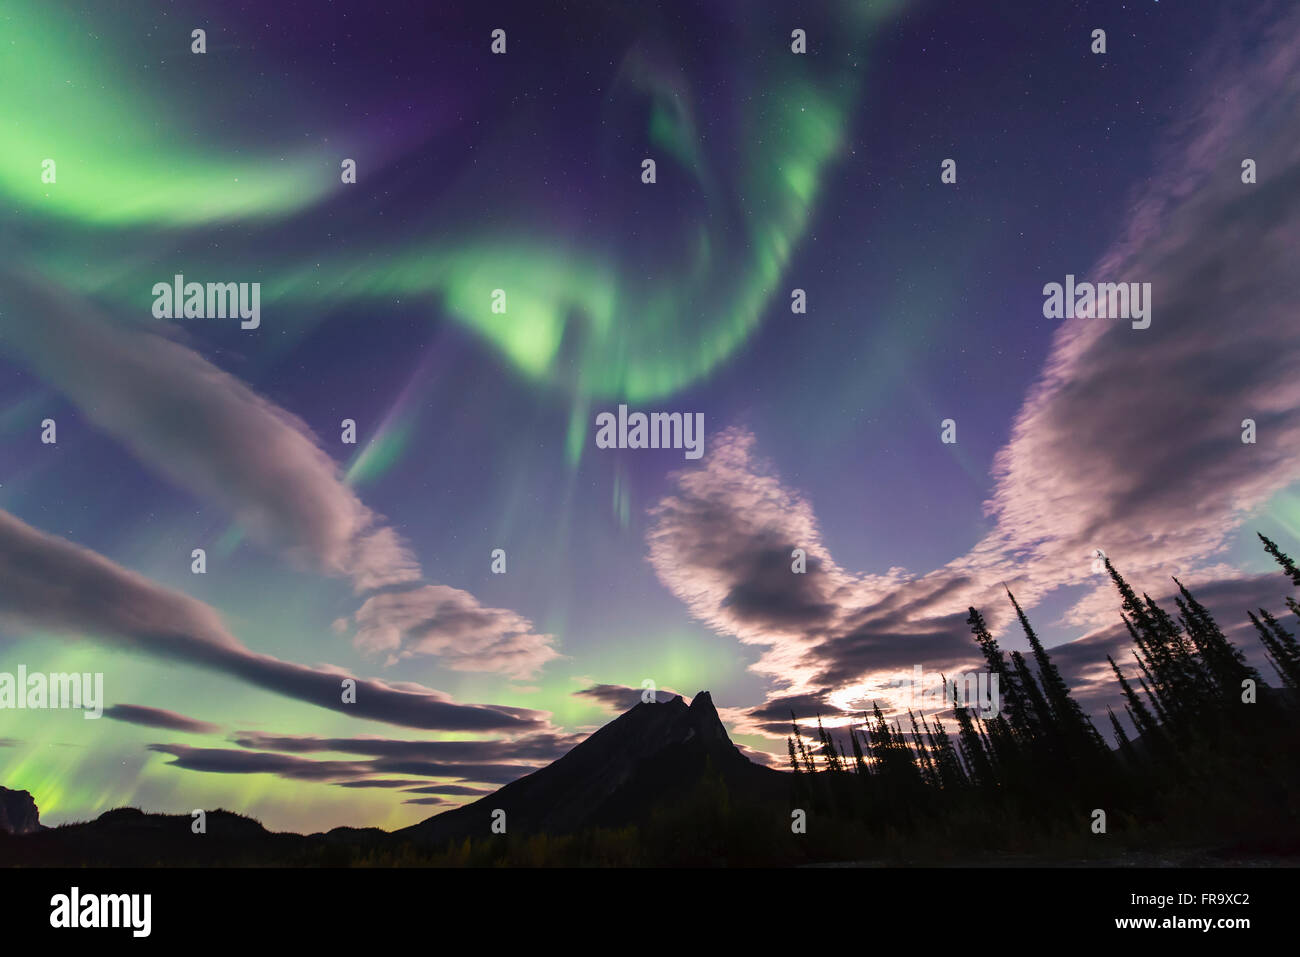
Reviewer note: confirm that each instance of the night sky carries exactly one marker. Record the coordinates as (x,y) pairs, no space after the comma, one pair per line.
(522,172)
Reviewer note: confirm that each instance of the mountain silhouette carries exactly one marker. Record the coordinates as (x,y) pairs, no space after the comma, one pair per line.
(642,760)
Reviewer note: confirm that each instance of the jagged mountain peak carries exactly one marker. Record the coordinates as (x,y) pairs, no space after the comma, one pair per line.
(643,758)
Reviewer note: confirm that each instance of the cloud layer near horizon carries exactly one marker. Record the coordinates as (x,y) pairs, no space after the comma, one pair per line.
(159,718)
(493,762)
(47,582)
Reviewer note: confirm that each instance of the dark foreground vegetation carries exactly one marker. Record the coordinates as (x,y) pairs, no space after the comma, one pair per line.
(1215,761)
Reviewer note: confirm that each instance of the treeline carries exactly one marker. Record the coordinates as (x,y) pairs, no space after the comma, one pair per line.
(1214,758)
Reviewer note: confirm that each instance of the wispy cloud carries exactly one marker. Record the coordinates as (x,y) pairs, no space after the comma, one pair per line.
(204,429)
(345,773)
(545,746)
(211,434)
(451,625)
(48,582)
(618,698)
(158,718)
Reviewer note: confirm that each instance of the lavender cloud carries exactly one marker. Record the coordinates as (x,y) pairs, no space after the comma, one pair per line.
(47,582)
(158,718)
(451,624)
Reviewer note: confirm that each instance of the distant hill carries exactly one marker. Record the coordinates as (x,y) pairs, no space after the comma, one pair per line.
(18,813)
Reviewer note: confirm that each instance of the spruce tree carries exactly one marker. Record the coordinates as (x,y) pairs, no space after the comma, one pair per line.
(1121,739)
(1282,559)
(1038,713)
(1073,726)
(1139,714)
(976,759)
(1280,647)
(1008,683)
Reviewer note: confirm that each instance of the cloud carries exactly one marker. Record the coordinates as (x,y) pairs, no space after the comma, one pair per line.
(619,698)
(357,773)
(724,543)
(158,718)
(375,783)
(489,761)
(229,761)
(1131,439)
(47,582)
(451,624)
(205,430)
(498,773)
(535,747)
(773,717)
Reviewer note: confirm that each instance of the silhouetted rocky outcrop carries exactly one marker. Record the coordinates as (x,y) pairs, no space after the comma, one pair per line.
(18,813)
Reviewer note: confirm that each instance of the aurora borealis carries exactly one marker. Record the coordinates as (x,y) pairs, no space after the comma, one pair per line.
(522,172)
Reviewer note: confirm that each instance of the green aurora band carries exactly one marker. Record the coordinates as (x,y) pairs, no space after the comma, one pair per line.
(578,317)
